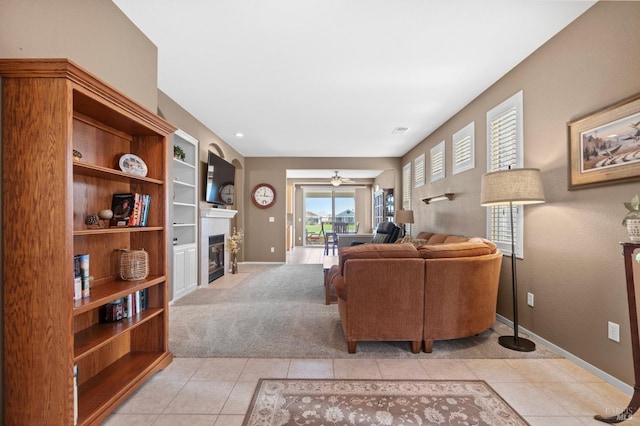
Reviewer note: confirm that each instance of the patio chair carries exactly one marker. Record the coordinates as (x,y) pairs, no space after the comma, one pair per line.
(331,237)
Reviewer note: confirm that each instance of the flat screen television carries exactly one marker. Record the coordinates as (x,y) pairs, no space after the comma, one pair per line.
(220,180)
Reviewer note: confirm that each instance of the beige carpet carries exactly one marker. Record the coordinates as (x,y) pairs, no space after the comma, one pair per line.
(278,311)
(378,402)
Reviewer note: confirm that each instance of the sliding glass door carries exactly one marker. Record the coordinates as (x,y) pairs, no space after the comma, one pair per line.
(324,206)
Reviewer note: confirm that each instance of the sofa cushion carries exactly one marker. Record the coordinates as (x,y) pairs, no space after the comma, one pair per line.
(416,242)
(464,249)
(437,238)
(424,235)
(455,239)
(376,251)
(492,246)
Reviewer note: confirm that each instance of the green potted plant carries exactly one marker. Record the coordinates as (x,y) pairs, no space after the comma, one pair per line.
(178,153)
(632,219)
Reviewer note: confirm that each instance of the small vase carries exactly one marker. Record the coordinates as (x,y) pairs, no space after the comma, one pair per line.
(633,228)
(234,264)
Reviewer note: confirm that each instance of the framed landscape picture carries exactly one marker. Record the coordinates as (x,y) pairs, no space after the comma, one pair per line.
(604,147)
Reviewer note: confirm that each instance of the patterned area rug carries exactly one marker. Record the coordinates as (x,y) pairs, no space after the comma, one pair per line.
(279,402)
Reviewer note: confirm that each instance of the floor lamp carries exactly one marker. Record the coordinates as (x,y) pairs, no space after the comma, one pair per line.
(403,217)
(513,187)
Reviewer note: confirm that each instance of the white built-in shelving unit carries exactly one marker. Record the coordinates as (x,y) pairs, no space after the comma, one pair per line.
(184,175)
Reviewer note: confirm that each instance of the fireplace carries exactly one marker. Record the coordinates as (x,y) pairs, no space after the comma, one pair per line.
(216,256)
(213,222)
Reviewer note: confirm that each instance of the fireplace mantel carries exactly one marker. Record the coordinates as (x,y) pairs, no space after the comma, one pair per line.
(218,213)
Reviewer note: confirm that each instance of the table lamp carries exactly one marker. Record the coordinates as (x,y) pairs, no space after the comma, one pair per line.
(403,217)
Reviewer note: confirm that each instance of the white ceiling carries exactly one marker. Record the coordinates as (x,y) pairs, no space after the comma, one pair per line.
(335,77)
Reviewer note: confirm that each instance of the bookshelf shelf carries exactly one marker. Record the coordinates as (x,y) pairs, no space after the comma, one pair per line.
(117,230)
(111,290)
(93,338)
(181,163)
(97,394)
(50,108)
(178,183)
(92,170)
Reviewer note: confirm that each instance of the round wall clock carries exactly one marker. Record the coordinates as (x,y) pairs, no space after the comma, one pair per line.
(226,193)
(263,195)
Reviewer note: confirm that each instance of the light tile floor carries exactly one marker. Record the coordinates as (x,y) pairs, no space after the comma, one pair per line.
(218,391)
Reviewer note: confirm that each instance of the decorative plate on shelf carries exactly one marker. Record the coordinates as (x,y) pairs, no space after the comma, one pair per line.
(131,163)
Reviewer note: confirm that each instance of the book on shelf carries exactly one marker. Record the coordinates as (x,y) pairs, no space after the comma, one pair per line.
(81,279)
(130,209)
(125,307)
(77,279)
(75,394)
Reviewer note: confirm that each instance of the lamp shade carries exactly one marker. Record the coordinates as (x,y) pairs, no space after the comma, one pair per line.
(404,216)
(516,186)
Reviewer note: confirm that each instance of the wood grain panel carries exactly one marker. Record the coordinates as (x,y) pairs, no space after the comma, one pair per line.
(37,250)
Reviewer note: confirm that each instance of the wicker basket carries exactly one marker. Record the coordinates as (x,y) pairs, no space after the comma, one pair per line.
(134,264)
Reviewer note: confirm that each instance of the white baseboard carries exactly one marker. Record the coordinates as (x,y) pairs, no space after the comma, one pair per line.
(618,384)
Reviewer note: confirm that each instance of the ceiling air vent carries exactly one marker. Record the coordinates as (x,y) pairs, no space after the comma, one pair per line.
(400,130)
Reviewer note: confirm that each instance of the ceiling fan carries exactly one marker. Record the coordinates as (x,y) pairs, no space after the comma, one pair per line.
(337,180)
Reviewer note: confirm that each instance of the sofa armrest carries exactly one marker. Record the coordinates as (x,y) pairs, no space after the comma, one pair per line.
(460,295)
(381,299)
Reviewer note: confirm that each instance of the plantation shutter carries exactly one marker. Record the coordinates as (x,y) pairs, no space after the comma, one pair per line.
(504,128)
(419,171)
(406,187)
(463,149)
(406,191)
(437,162)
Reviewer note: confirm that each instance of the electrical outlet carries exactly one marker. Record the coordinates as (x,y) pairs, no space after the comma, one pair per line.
(614,332)
(530,299)
(273,249)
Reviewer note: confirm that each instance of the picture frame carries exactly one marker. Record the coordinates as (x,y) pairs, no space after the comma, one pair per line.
(604,147)
(122,206)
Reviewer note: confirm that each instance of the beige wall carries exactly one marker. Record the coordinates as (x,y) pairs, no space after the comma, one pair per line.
(208,141)
(572,259)
(260,234)
(94,34)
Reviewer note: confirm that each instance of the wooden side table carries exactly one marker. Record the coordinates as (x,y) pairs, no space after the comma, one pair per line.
(627,251)
(327,263)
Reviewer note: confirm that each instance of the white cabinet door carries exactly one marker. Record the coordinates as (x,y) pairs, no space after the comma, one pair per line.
(191,272)
(179,272)
(185,269)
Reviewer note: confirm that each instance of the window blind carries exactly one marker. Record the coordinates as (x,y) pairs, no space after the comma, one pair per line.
(406,187)
(419,171)
(437,162)
(504,139)
(464,149)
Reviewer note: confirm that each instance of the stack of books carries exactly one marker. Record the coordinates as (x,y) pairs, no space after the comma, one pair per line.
(125,307)
(130,209)
(81,279)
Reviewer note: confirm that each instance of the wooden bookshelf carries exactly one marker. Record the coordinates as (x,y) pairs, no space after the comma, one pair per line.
(51,107)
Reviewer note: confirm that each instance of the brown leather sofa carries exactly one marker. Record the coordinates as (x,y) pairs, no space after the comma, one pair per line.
(433,287)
